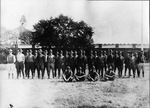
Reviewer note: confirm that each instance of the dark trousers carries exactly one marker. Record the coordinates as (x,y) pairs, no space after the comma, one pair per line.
(115,67)
(26,68)
(40,67)
(133,68)
(84,68)
(102,71)
(120,68)
(127,68)
(20,68)
(31,68)
(57,68)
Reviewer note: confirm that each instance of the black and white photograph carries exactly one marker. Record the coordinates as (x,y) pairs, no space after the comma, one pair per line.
(74,54)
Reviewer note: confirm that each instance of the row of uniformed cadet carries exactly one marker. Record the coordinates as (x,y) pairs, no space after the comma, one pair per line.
(42,60)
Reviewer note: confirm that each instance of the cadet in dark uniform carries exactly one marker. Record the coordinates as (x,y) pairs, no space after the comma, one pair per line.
(84,62)
(72,62)
(80,61)
(93,75)
(40,64)
(66,62)
(35,62)
(110,59)
(120,61)
(101,64)
(68,75)
(127,65)
(105,60)
(115,61)
(80,75)
(96,62)
(69,60)
(30,61)
(51,61)
(90,61)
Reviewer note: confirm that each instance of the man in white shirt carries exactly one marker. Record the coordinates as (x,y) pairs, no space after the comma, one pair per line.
(20,59)
(10,64)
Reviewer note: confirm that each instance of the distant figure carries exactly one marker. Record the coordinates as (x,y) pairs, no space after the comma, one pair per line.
(80,75)
(10,64)
(109,75)
(68,75)
(93,75)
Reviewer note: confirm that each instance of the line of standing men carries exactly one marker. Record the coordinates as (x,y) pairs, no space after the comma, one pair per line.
(53,64)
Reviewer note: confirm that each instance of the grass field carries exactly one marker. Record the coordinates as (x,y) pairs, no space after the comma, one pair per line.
(37,93)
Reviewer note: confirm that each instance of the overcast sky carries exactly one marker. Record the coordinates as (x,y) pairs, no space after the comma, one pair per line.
(112,21)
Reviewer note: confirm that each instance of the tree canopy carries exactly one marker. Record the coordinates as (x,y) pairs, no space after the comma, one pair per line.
(62,32)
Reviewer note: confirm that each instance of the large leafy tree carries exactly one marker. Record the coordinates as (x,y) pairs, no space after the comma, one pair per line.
(62,32)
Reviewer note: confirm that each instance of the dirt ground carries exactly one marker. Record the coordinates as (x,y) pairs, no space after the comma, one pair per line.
(54,93)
